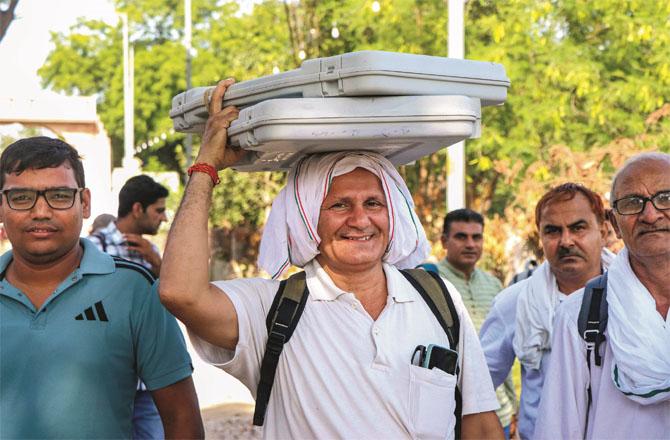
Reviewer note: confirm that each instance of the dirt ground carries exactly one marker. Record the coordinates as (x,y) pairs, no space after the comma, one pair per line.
(230,421)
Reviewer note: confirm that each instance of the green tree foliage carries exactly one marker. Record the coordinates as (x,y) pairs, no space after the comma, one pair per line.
(584,75)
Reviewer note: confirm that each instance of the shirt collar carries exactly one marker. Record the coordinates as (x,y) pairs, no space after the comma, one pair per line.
(322,288)
(94,260)
(448,266)
(399,288)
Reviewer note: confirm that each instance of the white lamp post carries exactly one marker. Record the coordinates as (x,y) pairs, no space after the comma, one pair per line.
(456,152)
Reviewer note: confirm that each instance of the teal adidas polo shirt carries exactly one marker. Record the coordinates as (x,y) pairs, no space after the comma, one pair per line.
(70,369)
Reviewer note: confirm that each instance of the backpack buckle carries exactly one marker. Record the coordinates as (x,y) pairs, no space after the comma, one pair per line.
(275,343)
(590,336)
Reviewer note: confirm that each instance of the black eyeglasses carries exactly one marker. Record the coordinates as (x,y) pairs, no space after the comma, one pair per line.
(635,204)
(21,199)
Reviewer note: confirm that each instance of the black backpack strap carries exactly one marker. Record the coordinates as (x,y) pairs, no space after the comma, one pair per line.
(592,320)
(436,295)
(591,324)
(288,305)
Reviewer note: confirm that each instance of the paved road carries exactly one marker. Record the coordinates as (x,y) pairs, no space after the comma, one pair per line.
(230,421)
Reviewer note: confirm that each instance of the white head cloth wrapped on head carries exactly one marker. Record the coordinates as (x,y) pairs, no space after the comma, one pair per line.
(290,235)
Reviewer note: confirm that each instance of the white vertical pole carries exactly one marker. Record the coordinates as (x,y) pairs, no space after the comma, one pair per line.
(456,152)
(128,108)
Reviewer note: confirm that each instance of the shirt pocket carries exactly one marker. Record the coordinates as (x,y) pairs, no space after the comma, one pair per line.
(432,403)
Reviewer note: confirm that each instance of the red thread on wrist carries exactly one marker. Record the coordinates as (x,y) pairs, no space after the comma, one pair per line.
(204,168)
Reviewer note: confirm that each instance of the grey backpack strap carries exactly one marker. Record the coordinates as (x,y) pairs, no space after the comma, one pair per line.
(436,295)
(591,324)
(288,305)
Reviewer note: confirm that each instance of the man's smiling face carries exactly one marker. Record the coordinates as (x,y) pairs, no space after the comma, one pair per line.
(353,223)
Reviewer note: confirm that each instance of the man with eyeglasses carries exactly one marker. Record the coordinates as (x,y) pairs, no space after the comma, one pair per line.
(77,327)
(630,390)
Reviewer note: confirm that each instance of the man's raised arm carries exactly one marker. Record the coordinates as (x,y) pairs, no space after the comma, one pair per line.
(184,279)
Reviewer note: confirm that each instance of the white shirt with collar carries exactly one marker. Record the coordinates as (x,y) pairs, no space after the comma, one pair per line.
(343,375)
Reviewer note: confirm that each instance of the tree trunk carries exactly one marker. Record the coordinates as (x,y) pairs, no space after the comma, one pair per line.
(6,17)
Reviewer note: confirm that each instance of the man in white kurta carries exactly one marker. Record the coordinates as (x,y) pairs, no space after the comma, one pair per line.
(631,390)
(348,219)
(571,223)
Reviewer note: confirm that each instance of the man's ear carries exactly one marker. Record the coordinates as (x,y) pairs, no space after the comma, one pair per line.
(86,202)
(612,219)
(138,211)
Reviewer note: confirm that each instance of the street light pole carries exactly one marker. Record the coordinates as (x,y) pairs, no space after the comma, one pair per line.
(456,153)
(128,99)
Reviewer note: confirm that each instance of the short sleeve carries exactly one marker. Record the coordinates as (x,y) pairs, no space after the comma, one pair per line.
(160,349)
(252,299)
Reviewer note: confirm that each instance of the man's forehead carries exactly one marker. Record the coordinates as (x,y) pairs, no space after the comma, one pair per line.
(159,203)
(63,171)
(645,176)
(567,212)
(466,227)
(360,179)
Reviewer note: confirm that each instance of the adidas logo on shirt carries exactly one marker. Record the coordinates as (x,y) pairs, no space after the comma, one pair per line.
(90,315)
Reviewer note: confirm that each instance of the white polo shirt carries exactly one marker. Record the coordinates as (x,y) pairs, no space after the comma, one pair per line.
(563,408)
(343,375)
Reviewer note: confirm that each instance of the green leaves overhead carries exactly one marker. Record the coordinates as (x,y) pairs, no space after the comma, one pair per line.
(583,75)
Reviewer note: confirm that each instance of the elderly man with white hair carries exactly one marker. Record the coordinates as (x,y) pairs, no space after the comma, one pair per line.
(623,390)
(348,220)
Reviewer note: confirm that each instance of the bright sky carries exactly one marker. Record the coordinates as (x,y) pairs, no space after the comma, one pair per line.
(27,42)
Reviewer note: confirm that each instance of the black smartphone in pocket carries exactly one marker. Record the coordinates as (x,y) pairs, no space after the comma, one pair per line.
(440,357)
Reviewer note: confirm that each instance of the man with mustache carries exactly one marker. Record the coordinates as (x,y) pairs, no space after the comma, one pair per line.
(77,327)
(571,223)
(623,390)
(347,371)
(463,239)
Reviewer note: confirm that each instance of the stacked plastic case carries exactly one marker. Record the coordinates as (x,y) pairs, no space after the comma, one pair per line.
(403,106)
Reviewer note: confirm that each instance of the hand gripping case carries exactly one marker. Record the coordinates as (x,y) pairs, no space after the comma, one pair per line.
(365,73)
(277,132)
